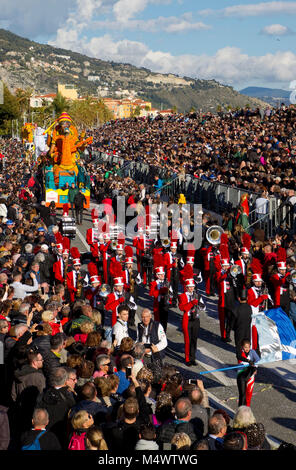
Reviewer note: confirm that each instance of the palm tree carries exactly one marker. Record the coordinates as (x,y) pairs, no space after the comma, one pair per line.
(60,104)
(23,97)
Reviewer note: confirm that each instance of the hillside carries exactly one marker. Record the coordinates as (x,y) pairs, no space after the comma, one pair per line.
(24,64)
(273,96)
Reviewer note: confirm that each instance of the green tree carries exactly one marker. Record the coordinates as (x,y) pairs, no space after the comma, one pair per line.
(10,108)
(60,104)
(23,97)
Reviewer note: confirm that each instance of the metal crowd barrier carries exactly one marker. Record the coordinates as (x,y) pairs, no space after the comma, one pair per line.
(213,196)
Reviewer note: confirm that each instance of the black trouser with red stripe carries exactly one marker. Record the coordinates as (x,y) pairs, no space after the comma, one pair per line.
(191,331)
(245,383)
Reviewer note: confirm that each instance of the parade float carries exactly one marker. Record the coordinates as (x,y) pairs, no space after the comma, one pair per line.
(62,163)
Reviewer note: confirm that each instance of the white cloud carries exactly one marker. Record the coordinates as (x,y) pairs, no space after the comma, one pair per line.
(253,9)
(32,18)
(276,30)
(125,10)
(228,65)
(171,24)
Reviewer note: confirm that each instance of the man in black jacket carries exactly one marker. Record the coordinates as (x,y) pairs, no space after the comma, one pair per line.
(28,383)
(217,430)
(182,423)
(79,201)
(122,436)
(57,400)
(47,440)
(52,357)
(241,321)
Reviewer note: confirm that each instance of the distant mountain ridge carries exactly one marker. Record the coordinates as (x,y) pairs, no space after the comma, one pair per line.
(27,64)
(273,96)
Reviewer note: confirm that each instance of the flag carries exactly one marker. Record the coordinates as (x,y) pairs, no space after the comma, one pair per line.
(276,335)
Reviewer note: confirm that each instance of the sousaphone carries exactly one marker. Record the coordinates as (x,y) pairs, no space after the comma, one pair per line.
(213,234)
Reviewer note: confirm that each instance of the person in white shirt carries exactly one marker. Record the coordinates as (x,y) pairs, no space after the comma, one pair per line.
(261,204)
(120,329)
(152,334)
(22,290)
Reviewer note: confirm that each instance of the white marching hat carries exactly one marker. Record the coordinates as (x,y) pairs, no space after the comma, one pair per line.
(159,270)
(94,279)
(118,281)
(281,265)
(225,262)
(244,251)
(257,277)
(190,283)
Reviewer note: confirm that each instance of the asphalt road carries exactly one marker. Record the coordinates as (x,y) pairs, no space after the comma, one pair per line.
(274,396)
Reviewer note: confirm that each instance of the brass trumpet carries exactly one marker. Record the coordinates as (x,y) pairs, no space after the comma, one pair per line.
(213,234)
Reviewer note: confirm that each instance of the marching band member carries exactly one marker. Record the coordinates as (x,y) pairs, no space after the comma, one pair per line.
(211,255)
(189,303)
(91,293)
(93,233)
(61,266)
(74,278)
(172,265)
(279,281)
(246,377)
(146,257)
(116,260)
(115,298)
(159,290)
(104,248)
(244,261)
(226,300)
(257,295)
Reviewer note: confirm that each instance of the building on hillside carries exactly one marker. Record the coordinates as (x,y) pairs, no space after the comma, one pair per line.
(68,91)
(124,108)
(37,101)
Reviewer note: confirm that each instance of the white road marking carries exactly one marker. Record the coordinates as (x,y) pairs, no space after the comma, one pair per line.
(82,238)
(210,362)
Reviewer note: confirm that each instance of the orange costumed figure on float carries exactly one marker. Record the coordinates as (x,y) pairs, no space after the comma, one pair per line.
(63,148)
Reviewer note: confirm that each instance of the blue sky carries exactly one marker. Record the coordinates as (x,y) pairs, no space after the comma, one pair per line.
(240,43)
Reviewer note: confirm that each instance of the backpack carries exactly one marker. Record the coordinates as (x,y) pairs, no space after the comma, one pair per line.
(35,445)
(77,441)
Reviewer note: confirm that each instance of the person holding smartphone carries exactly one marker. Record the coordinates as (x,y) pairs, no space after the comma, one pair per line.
(124,374)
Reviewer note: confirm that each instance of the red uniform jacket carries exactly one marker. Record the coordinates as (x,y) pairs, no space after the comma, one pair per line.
(91,294)
(156,292)
(278,283)
(71,281)
(103,247)
(222,287)
(185,305)
(253,299)
(58,270)
(112,302)
(169,264)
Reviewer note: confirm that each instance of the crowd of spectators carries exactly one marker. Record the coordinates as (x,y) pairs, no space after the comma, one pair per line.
(64,382)
(248,149)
